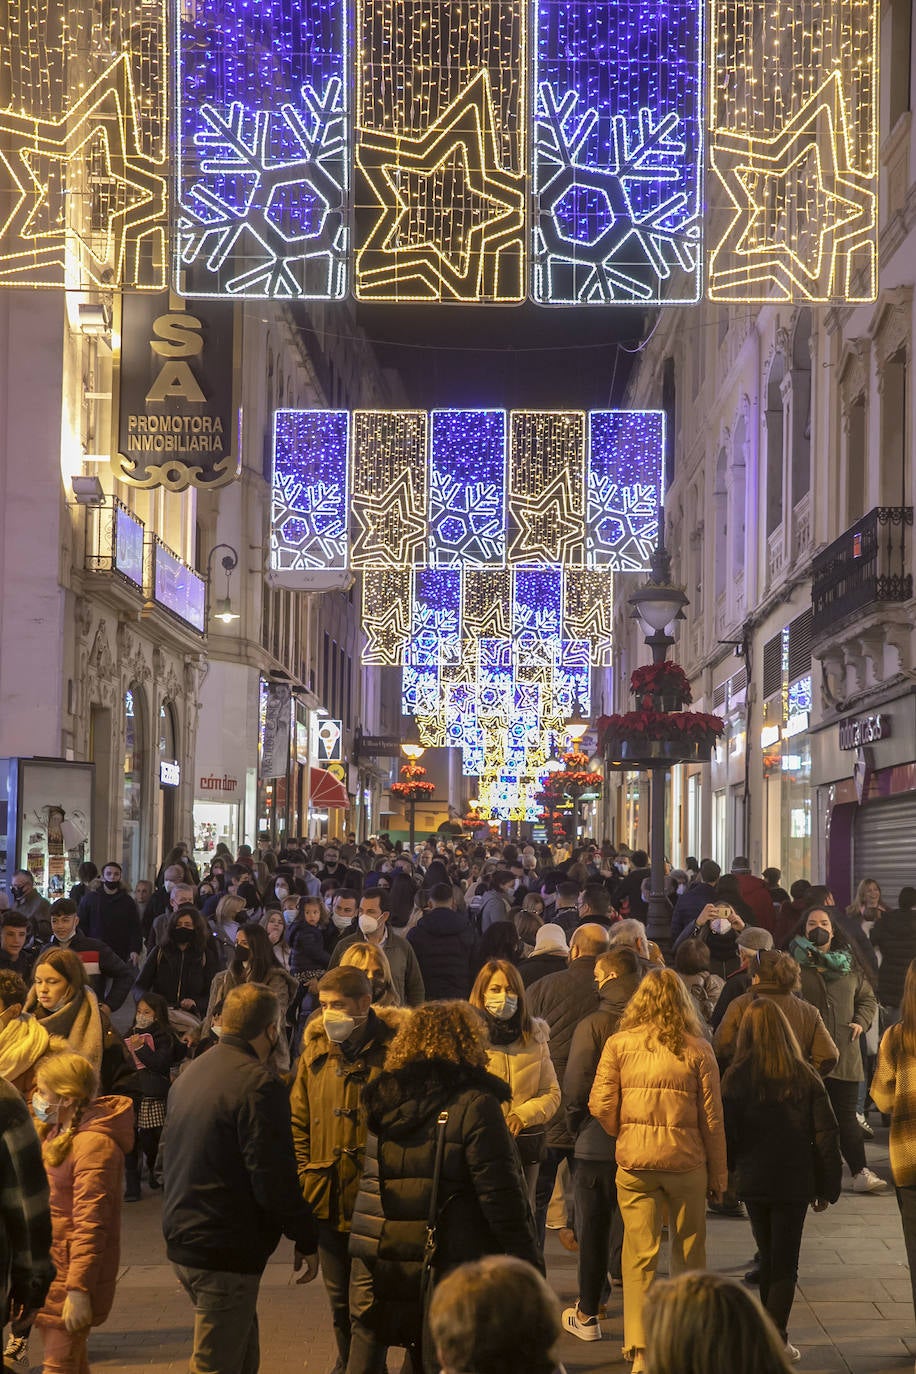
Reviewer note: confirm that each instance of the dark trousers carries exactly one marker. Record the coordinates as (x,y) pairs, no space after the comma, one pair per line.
(906,1201)
(843,1097)
(335,1271)
(596,1208)
(778,1230)
(544,1190)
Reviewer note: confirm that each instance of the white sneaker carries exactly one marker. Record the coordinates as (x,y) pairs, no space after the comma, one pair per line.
(586,1328)
(867,1182)
(793,1353)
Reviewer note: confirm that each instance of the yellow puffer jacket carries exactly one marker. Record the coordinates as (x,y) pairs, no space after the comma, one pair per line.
(528,1070)
(665,1111)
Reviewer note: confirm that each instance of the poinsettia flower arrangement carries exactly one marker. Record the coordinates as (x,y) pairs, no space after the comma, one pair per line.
(647,725)
(413,787)
(661,679)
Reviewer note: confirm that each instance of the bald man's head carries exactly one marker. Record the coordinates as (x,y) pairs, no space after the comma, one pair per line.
(588,941)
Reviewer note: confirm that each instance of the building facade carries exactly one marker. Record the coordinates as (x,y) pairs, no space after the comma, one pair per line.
(789,513)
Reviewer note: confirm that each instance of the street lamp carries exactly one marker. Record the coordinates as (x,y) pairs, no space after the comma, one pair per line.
(576,728)
(413,752)
(230,560)
(657,604)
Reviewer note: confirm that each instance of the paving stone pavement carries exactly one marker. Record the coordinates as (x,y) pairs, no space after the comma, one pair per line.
(853,1313)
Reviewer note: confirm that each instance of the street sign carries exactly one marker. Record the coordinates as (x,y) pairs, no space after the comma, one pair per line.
(374,746)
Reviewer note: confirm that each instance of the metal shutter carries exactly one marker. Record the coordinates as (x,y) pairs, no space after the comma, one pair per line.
(772,666)
(800,646)
(884,845)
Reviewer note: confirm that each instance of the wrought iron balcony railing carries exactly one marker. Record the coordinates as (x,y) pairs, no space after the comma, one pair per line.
(867,565)
(114,543)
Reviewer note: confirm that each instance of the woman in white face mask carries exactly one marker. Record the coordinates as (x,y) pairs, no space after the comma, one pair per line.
(519,1055)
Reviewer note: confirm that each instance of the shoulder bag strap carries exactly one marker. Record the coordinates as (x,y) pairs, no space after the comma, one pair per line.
(441,1124)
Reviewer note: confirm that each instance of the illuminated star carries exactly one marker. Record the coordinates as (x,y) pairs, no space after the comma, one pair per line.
(549,527)
(469,248)
(389,529)
(45,166)
(803,213)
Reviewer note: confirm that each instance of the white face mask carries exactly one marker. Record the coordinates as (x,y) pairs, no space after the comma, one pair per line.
(720,926)
(338,1025)
(341,922)
(502,1005)
(141,1022)
(43,1110)
(368,924)
(623,867)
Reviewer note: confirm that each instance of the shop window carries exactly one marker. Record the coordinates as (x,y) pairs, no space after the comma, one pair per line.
(135,748)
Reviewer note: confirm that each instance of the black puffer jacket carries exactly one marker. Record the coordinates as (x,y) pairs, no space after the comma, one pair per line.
(563,1000)
(483,1202)
(894,934)
(444,942)
(782,1151)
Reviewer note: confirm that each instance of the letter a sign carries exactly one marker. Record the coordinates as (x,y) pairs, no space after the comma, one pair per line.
(176,414)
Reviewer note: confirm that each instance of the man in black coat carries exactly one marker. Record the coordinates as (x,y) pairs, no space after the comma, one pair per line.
(698,895)
(14,953)
(562,1000)
(110,978)
(617,976)
(444,942)
(111,915)
(230,1184)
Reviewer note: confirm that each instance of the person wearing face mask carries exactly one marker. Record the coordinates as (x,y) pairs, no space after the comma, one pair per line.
(833,981)
(28,900)
(230,1185)
(518,1054)
(23,1039)
(155,1050)
(498,901)
(343,1049)
(110,978)
(373,961)
(110,914)
(372,925)
(182,968)
(85,1138)
(718,925)
(344,907)
(698,895)
(254,962)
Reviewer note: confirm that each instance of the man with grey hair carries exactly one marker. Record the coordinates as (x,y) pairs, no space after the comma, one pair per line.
(180,894)
(231,1188)
(563,999)
(751,940)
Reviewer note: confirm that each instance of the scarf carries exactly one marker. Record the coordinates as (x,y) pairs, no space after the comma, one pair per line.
(830,964)
(503,1032)
(77,1021)
(22,1043)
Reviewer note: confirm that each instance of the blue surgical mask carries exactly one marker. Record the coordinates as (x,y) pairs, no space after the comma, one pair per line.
(43,1110)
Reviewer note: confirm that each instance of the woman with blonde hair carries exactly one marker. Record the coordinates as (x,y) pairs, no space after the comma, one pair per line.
(783,1149)
(656,1091)
(85,1140)
(373,961)
(435,1099)
(709,1325)
(893,1091)
(62,1000)
(518,1054)
(225,924)
(274,924)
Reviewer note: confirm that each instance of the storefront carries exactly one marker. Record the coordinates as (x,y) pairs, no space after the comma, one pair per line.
(785,747)
(225,772)
(865,771)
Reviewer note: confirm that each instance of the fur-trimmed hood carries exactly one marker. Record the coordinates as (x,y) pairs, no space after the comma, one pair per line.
(400,1101)
(315,1042)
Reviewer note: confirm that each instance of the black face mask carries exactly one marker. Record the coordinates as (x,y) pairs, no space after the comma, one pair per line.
(819,936)
(183,937)
(111,887)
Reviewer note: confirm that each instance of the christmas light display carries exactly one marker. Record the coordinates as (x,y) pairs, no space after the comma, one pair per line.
(622,487)
(309,493)
(388,488)
(487,603)
(441,150)
(83,144)
(385,615)
(618,150)
(545,480)
(263,149)
(467,479)
(793,151)
(436,615)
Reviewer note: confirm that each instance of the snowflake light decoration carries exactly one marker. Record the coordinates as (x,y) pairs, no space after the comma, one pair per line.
(309,492)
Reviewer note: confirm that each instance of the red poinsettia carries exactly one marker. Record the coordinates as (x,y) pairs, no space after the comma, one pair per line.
(637,726)
(665,678)
(413,787)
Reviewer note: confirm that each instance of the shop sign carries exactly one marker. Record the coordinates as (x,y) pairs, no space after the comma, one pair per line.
(769,736)
(865,730)
(330,741)
(796,725)
(214,783)
(176,419)
(169,774)
(275,736)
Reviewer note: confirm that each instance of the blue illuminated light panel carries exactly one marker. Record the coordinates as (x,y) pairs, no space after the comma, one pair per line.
(618,152)
(572,678)
(467,480)
(262,182)
(436,613)
(309,492)
(624,487)
(537,602)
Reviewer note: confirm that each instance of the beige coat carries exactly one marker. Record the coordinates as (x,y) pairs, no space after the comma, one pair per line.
(530,1074)
(664,1111)
(814,1039)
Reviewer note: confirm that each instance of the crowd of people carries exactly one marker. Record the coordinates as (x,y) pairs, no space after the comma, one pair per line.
(413,1065)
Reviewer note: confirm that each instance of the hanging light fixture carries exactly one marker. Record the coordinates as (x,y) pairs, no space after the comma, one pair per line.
(223,608)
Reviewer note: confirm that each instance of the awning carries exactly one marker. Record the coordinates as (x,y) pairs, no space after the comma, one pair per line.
(326,790)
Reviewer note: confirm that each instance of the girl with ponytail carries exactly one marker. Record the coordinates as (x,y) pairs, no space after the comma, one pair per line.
(84,1141)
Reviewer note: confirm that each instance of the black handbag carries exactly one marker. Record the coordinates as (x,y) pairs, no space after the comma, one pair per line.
(427,1274)
(531,1144)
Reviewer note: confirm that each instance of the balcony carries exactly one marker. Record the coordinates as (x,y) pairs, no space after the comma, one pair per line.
(175,587)
(114,543)
(865,566)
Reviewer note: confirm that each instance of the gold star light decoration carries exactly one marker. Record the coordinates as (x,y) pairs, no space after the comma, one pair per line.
(83,144)
(388,485)
(546,486)
(793,151)
(441,150)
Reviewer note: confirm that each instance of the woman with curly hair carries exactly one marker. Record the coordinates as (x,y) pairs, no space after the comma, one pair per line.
(656,1091)
(435,1087)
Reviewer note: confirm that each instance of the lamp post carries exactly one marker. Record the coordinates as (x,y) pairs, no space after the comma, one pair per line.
(413,752)
(657,604)
(230,560)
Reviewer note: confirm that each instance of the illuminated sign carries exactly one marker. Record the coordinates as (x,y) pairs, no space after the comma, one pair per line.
(169,774)
(865,730)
